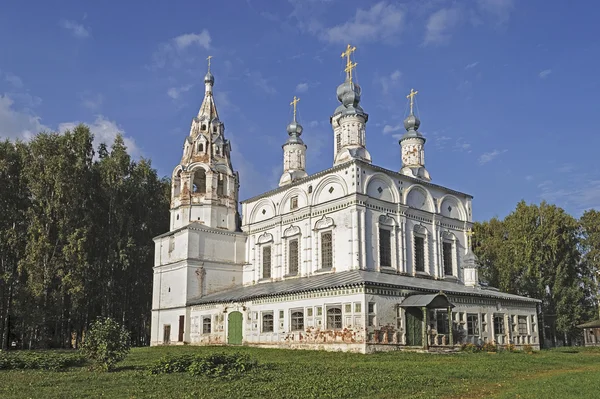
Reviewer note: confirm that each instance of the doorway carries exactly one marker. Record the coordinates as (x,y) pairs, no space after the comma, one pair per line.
(414,326)
(234,328)
(166,334)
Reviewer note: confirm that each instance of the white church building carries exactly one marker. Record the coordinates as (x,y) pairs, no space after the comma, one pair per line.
(355,257)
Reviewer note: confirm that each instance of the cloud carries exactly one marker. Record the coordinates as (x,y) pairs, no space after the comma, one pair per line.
(472,65)
(499,10)
(17,124)
(201,39)
(302,87)
(490,156)
(381,22)
(545,73)
(529,178)
(76,29)
(178,50)
(105,132)
(91,101)
(390,129)
(440,25)
(390,81)
(175,92)
(14,80)
(579,194)
(260,82)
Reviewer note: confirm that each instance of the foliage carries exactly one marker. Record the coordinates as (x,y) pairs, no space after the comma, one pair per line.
(320,374)
(470,348)
(213,365)
(535,251)
(106,343)
(510,347)
(47,360)
(76,231)
(489,347)
(528,349)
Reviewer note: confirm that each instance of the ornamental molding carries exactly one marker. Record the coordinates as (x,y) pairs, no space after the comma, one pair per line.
(420,229)
(291,231)
(265,238)
(324,223)
(387,220)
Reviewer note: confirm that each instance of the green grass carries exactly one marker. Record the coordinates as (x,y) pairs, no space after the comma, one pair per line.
(566,373)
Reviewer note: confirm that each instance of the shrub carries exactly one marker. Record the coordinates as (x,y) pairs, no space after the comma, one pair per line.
(470,348)
(489,347)
(528,349)
(52,361)
(106,343)
(510,347)
(222,365)
(215,365)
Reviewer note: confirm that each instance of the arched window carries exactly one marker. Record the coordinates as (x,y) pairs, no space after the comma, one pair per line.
(293,257)
(326,250)
(177,184)
(200,181)
(206,325)
(297,320)
(200,147)
(203,127)
(221,185)
(266,262)
(267,322)
(334,318)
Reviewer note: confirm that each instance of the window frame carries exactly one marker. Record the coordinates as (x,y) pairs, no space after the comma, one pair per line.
(448,258)
(266,319)
(293,202)
(296,270)
(263,262)
(385,251)
(297,320)
(525,324)
(421,237)
(204,324)
(472,330)
(441,320)
(499,327)
(322,252)
(331,314)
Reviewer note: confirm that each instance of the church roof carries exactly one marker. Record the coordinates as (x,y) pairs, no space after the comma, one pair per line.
(349,279)
(590,324)
(362,164)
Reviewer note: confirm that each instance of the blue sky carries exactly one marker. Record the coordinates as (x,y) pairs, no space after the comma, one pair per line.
(508,89)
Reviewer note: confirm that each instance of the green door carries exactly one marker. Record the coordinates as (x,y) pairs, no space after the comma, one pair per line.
(234,328)
(414,327)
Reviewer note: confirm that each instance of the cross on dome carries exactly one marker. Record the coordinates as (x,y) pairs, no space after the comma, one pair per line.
(411,96)
(293,103)
(349,64)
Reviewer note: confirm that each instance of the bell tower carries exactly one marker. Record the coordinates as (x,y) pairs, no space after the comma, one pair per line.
(349,119)
(294,152)
(204,185)
(412,145)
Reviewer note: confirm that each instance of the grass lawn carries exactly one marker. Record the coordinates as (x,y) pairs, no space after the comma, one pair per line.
(561,373)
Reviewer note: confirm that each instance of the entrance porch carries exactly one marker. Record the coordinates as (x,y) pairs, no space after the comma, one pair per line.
(420,329)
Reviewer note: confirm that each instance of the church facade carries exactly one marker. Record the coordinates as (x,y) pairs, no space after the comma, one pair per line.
(355,257)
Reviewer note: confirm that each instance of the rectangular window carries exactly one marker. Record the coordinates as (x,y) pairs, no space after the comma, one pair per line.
(385,248)
(442,322)
(522,325)
(338,142)
(357,307)
(498,324)
(348,308)
(472,324)
(334,318)
(220,185)
(206,325)
(447,255)
(266,262)
(419,254)
(297,320)
(293,257)
(181,326)
(294,202)
(309,312)
(326,250)
(267,322)
(319,311)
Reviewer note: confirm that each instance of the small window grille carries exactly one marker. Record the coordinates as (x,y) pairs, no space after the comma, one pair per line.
(297,320)
(385,248)
(294,202)
(266,262)
(326,250)
(334,318)
(293,257)
(267,322)
(498,324)
(419,254)
(472,324)
(206,325)
(447,254)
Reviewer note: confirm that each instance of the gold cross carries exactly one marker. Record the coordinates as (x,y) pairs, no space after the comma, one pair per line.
(208,59)
(469,235)
(296,99)
(412,94)
(349,64)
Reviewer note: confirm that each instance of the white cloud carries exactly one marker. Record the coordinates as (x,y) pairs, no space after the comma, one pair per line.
(302,87)
(381,22)
(105,131)
(17,124)
(529,178)
(261,82)
(545,73)
(579,194)
(175,92)
(177,50)
(13,80)
(201,39)
(499,10)
(91,101)
(490,156)
(440,25)
(390,129)
(76,29)
(390,81)
(472,65)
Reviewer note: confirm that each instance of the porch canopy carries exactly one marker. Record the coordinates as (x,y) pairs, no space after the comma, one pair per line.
(431,301)
(591,324)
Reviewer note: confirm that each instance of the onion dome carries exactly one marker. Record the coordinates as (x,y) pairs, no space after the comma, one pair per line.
(411,124)
(209,78)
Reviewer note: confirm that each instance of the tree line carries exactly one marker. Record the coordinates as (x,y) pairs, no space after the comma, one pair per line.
(76,229)
(542,252)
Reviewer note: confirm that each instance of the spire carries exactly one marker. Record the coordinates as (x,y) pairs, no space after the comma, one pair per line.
(470,264)
(208,109)
(412,145)
(294,151)
(349,119)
